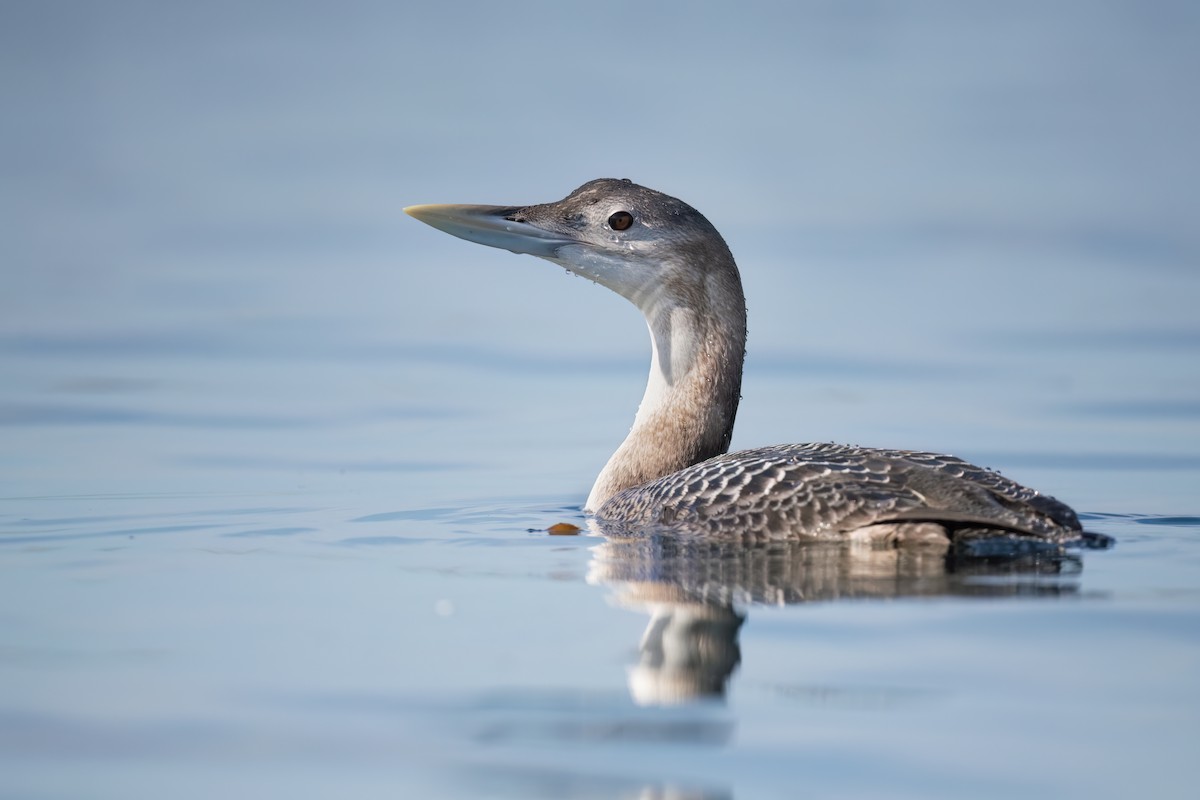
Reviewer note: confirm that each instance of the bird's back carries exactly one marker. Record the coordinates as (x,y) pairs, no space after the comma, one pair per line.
(838,492)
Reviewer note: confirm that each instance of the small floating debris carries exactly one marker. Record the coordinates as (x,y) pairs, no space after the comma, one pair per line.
(563,529)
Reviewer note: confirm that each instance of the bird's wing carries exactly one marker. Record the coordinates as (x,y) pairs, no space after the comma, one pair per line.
(825,490)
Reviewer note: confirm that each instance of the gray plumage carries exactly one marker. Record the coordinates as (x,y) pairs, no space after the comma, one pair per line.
(835,492)
(672,471)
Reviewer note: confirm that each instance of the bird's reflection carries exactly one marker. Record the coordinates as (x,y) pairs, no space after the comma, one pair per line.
(693,588)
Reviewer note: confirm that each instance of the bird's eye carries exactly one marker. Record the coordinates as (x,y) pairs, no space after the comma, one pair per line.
(620,221)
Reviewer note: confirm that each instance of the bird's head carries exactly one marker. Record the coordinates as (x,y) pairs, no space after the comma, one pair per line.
(631,239)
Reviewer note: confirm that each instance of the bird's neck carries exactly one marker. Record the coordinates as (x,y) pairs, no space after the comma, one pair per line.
(691,399)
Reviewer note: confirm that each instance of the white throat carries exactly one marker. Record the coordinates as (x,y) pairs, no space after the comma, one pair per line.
(673,351)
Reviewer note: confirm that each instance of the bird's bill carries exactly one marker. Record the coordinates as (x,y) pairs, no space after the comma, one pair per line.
(490,225)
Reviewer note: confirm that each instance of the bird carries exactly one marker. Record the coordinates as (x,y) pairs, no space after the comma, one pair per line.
(674,471)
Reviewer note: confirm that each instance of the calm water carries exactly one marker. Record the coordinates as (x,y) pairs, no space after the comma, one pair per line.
(276,463)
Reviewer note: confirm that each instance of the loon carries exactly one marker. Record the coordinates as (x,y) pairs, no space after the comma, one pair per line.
(674,471)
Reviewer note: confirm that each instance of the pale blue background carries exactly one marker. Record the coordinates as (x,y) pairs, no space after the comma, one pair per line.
(270,450)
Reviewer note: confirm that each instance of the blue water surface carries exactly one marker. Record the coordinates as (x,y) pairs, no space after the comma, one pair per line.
(277,463)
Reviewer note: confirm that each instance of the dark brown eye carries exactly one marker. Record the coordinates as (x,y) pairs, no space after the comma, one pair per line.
(620,221)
